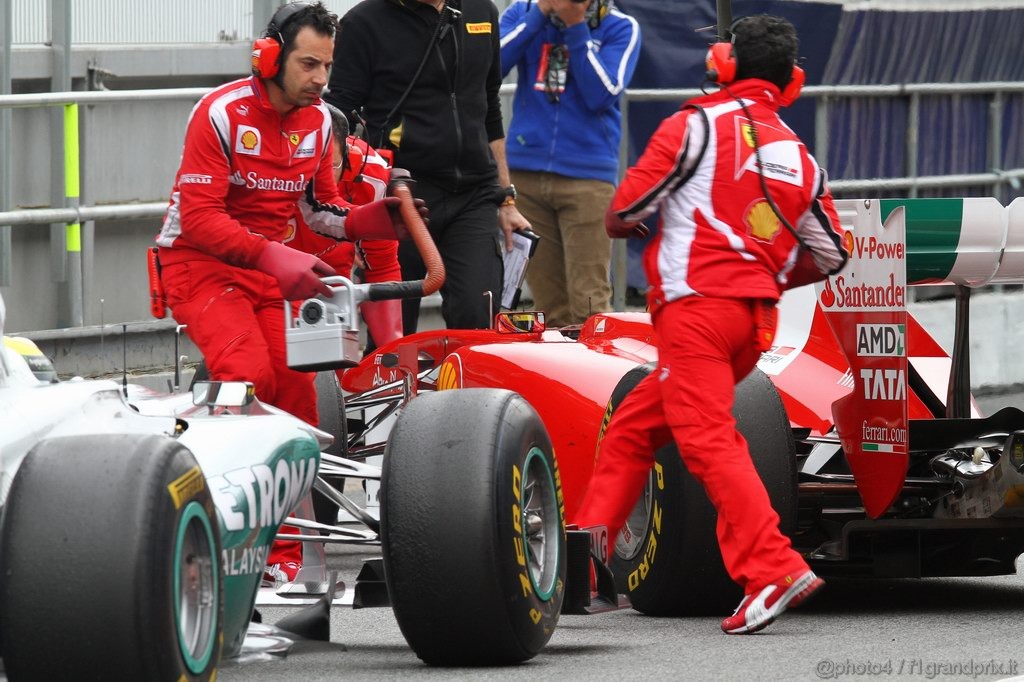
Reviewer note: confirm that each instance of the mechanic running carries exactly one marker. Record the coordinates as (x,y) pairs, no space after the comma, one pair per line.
(251,148)
(731,181)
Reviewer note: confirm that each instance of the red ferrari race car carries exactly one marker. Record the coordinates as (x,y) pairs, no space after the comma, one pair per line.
(861,425)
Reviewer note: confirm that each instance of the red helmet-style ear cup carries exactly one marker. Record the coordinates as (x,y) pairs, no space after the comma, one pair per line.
(266,51)
(265,54)
(721,63)
(355,161)
(792,90)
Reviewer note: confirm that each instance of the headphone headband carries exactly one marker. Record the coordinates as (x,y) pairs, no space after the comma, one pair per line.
(723,67)
(282,16)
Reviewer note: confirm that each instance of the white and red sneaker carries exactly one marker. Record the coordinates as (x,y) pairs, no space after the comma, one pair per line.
(758,611)
(276,575)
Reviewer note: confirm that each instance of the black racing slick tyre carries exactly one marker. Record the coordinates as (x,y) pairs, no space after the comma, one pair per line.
(472,528)
(667,558)
(122,579)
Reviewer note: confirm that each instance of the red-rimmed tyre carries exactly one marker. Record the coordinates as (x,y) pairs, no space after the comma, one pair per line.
(473,531)
(117,570)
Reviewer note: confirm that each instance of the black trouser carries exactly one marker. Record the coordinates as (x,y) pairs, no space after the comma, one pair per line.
(464,226)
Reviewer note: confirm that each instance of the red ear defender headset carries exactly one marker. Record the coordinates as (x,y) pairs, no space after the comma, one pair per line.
(266,51)
(722,66)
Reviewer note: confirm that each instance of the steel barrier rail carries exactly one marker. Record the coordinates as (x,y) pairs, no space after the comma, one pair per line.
(911,181)
(49,99)
(80,214)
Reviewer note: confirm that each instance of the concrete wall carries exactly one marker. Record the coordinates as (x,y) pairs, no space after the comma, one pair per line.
(997,335)
(130,153)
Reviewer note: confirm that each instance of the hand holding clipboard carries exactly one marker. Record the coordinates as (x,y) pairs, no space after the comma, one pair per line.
(524,244)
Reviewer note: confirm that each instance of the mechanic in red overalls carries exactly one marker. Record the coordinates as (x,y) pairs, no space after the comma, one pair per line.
(251,148)
(716,269)
(363,176)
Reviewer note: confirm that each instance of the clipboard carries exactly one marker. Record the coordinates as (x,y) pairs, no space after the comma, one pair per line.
(524,245)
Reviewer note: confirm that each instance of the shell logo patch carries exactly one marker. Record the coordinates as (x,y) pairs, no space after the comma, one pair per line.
(848,241)
(476,29)
(761,221)
(247,141)
(449,377)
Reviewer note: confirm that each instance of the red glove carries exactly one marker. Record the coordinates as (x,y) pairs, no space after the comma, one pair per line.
(383,320)
(618,229)
(297,273)
(380,219)
(805,271)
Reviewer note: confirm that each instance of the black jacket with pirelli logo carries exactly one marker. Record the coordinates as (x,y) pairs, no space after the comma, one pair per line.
(441,132)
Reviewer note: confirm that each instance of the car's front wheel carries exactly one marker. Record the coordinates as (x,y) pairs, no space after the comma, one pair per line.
(473,531)
(111,562)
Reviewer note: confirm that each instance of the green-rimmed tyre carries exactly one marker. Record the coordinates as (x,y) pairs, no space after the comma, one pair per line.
(119,580)
(667,558)
(473,529)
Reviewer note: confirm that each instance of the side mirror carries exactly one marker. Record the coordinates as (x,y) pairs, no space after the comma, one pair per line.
(223,393)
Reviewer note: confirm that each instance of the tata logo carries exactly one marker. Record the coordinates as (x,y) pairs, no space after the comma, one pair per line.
(884,384)
(881,340)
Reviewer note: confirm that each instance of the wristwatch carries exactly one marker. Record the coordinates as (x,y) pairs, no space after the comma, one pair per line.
(510,195)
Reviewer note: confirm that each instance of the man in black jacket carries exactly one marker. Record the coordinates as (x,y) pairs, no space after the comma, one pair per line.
(425,74)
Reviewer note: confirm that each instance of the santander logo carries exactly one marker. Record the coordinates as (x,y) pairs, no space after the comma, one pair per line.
(828,297)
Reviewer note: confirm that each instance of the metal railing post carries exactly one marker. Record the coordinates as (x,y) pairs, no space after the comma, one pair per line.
(995,143)
(620,254)
(913,133)
(60,48)
(821,131)
(6,39)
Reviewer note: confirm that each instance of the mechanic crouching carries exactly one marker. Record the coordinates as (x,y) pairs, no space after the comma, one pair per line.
(745,214)
(251,148)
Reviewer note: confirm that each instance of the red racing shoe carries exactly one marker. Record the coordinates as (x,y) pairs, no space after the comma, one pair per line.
(276,575)
(758,611)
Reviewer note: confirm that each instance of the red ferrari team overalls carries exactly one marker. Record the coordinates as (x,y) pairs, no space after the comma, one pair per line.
(243,169)
(719,252)
(365,179)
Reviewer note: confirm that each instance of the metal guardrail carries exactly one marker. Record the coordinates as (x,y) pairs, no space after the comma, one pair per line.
(823,93)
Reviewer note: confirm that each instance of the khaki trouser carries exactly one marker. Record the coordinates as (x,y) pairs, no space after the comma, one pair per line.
(568,275)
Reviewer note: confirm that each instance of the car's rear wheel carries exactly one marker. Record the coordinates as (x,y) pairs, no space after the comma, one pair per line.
(122,579)
(667,558)
(473,531)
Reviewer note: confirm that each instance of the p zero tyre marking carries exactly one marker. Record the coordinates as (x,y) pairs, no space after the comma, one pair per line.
(186,485)
(195,587)
(539,520)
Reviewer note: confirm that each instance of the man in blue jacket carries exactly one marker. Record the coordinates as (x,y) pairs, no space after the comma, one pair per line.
(574,59)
